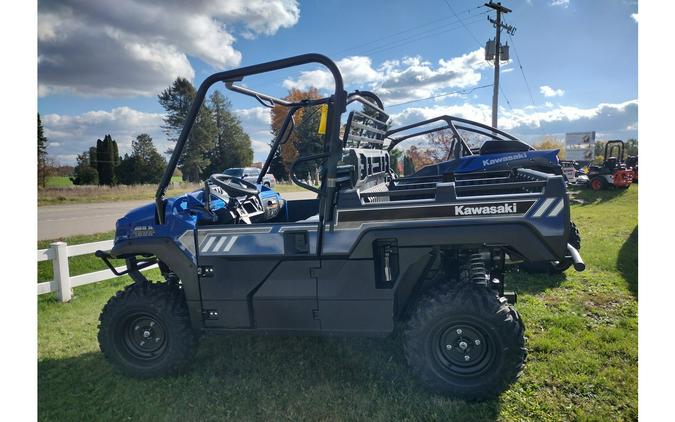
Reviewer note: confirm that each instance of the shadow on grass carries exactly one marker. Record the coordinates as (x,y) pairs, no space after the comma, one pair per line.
(627,261)
(256,378)
(533,283)
(591,197)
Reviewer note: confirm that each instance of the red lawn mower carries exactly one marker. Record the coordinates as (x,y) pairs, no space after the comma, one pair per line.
(613,171)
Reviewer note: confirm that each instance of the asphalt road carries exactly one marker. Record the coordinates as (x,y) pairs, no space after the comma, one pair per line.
(56,221)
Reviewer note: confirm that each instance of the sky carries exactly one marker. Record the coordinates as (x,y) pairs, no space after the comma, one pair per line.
(102,64)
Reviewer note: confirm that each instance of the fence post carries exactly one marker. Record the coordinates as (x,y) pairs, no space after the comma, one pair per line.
(61,271)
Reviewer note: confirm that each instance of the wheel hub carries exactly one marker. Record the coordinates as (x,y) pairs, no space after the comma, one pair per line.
(144,337)
(463,348)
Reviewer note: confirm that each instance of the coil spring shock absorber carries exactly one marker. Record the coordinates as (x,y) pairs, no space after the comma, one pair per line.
(477,269)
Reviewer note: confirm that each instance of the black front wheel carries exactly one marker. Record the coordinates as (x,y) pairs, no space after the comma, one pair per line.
(465,342)
(145,331)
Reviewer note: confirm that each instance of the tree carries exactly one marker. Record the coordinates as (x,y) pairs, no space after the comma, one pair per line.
(84,173)
(107,160)
(144,165)
(440,144)
(177,101)
(304,140)
(550,143)
(419,157)
(408,166)
(41,153)
(395,160)
(233,145)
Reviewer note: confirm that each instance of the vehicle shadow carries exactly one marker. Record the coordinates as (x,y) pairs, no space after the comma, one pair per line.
(627,261)
(533,283)
(256,378)
(585,196)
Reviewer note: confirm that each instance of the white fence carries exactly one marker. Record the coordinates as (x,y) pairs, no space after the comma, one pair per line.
(63,283)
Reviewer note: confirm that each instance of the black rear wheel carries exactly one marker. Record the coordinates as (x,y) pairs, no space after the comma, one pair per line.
(145,331)
(598,183)
(466,342)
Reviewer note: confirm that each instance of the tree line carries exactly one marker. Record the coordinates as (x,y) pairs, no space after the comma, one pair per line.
(102,165)
(216,142)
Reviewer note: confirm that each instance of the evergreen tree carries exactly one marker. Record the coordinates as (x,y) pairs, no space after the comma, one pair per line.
(177,100)
(233,145)
(93,162)
(41,153)
(107,159)
(144,165)
(277,167)
(84,173)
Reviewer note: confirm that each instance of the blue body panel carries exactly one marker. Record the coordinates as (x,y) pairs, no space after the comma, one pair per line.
(493,162)
(182,214)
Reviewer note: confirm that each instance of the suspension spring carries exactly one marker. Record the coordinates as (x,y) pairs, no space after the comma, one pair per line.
(477,269)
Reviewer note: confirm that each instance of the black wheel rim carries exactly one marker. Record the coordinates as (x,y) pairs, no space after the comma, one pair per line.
(463,348)
(143,336)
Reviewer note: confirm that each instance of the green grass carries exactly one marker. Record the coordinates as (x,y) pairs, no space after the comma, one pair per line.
(82,264)
(582,362)
(58,182)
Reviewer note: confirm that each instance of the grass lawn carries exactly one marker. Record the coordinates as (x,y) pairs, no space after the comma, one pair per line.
(87,194)
(58,182)
(582,362)
(61,191)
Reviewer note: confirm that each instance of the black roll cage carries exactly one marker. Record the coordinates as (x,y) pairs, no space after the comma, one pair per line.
(462,148)
(336,106)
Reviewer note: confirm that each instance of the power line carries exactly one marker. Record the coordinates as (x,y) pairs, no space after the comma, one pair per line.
(515,50)
(462,91)
(361,45)
(416,37)
(462,22)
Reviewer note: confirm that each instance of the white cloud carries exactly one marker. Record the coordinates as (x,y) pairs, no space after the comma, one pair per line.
(635,17)
(547,91)
(136,47)
(71,135)
(560,3)
(400,80)
(619,119)
(354,70)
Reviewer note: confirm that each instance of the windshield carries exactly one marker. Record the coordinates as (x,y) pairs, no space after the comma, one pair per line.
(235,172)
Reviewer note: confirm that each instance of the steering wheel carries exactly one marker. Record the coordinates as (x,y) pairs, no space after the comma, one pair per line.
(234,186)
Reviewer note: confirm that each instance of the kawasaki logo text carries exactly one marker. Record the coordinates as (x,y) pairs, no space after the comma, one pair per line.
(504,159)
(486,210)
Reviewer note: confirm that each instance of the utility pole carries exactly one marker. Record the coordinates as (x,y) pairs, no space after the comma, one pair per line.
(498,26)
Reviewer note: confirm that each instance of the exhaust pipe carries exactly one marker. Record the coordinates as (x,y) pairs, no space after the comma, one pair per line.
(578,262)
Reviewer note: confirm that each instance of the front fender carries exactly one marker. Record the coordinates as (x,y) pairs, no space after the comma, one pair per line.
(168,252)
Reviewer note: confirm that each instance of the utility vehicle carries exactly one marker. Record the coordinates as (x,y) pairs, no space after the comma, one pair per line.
(494,157)
(356,260)
(495,151)
(251,174)
(613,171)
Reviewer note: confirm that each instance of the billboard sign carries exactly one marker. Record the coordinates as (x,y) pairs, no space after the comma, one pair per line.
(580,146)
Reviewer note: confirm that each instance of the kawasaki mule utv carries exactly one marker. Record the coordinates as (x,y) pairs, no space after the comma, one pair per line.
(237,258)
(494,158)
